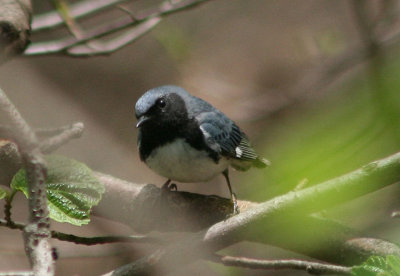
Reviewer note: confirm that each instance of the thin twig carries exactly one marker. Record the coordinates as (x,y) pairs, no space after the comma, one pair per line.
(12,225)
(8,206)
(80,9)
(54,142)
(86,240)
(315,268)
(103,239)
(115,44)
(58,136)
(52,131)
(149,19)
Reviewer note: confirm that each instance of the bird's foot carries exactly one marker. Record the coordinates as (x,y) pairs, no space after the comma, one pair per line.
(235,204)
(168,186)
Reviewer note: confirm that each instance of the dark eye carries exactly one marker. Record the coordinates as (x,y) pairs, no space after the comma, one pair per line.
(161,103)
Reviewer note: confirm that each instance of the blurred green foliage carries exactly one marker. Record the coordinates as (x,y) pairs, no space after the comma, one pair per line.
(349,127)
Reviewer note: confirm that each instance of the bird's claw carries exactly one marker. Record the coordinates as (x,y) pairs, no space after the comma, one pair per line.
(173,187)
(168,186)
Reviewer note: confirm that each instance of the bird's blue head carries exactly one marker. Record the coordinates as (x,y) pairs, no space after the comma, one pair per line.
(160,103)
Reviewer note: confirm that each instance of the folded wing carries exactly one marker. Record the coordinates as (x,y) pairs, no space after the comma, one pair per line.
(225,138)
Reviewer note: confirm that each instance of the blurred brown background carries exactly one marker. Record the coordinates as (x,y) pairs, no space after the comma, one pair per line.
(247,58)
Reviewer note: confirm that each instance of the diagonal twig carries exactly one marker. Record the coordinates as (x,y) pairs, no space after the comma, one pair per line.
(54,142)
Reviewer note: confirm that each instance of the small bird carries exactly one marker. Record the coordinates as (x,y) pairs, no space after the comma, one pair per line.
(186,139)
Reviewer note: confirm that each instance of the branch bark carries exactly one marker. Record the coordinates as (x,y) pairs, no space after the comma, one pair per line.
(15,19)
(36,233)
(314,268)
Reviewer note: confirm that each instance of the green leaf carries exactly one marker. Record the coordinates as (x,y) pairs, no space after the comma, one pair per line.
(378,266)
(72,189)
(3,193)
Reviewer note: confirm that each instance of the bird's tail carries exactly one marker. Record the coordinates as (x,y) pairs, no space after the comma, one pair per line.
(261,163)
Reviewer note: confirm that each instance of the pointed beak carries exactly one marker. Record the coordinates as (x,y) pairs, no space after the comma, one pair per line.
(141,121)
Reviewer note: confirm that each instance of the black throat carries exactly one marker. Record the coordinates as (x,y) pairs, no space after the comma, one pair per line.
(158,132)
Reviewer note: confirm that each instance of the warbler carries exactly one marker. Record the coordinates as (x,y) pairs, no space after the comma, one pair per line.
(185,139)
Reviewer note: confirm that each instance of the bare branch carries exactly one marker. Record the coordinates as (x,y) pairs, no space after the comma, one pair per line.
(36,233)
(148,208)
(25,137)
(53,143)
(86,240)
(139,26)
(46,132)
(12,225)
(80,9)
(113,45)
(59,136)
(314,268)
(103,239)
(15,17)
(10,159)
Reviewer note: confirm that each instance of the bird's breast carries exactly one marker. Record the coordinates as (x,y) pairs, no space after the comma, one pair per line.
(179,161)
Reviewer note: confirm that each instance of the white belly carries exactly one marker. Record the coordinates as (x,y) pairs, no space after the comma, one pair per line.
(180,162)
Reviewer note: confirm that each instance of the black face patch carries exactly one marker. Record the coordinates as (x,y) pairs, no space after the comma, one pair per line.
(168,110)
(169,121)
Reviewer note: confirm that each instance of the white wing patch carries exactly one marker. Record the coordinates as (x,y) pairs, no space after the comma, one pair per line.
(238,152)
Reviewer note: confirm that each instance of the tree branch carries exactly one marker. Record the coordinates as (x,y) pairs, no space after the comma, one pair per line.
(86,240)
(51,144)
(36,233)
(146,208)
(314,268)
(10,161)
(15,17)
(369,178)
(80,9)
(138,26)
(103,239)
(113,45)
